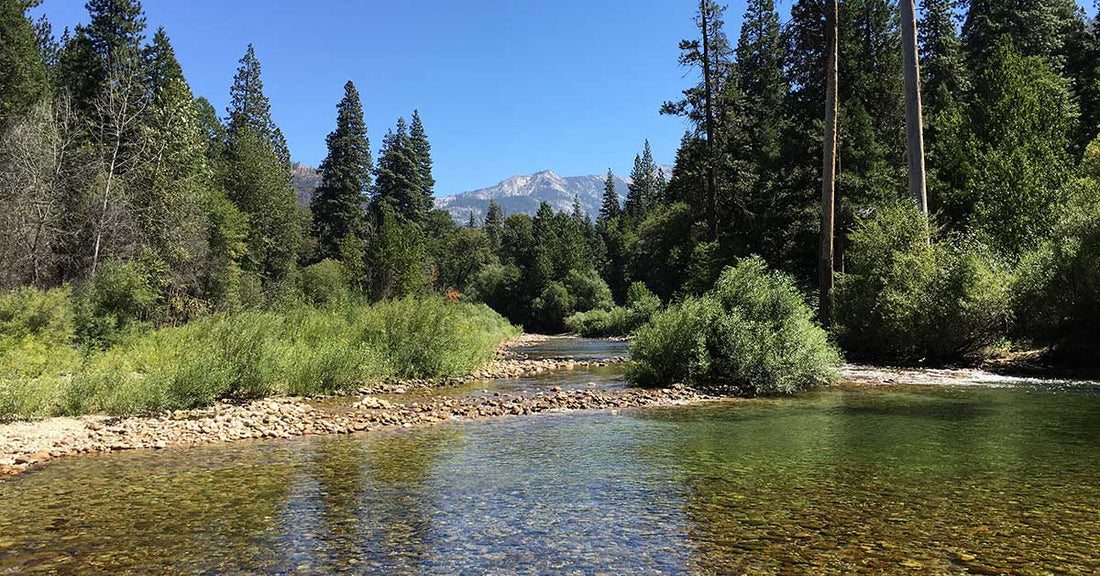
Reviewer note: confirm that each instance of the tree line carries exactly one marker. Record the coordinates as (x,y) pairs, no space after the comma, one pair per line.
(114,173)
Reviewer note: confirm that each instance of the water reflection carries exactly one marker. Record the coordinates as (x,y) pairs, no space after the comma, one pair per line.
(842,480)
(890,480)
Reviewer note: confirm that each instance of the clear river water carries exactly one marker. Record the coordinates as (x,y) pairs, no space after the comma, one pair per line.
(984,479)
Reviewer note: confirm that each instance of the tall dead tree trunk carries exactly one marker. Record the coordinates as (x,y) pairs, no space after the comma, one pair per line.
(914,128)
(828,170)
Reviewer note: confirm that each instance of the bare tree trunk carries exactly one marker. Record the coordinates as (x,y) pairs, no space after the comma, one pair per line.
(712,193)
(828,170)
(106,203)
(914,130)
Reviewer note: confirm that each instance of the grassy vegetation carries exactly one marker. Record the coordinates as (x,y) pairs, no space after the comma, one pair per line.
(304,350)
(753,334)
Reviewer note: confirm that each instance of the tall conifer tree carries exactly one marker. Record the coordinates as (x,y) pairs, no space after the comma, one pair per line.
(250,109)
(257,177)
(422,152)
(345,177)
(23,78)
(398,176)
(609,207)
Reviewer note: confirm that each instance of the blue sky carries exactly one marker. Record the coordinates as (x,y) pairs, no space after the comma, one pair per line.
(504,87)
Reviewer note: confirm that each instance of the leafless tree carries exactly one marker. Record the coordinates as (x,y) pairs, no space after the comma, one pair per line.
(914,130)
(828,171)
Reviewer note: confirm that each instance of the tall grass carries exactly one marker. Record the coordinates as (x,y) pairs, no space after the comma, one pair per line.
(300,351)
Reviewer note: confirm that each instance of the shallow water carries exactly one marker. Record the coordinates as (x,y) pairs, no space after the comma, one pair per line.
(918,478)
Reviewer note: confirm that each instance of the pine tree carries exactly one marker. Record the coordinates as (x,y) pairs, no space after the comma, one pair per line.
(945,82)
(494,225)
(609,208)
(872,101)
(422,152)
(703,104)
(761,54)
(642,192)
(1036,27)
(256,183)
(398,176)
(337,205)
(250,109)
(257,178)
(1022,117)
(944,74)
(214,134)
(97,56)
(23,77)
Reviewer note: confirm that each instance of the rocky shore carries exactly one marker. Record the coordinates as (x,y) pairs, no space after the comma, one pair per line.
(24,445)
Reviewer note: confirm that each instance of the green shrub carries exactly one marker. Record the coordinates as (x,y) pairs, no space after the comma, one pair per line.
(553,306)
(1057,291)
(641,304)
(45,315)
(752,334)
(641,301)
(36,353)
(588,290)
(119,297)
(324,282)
(910,300)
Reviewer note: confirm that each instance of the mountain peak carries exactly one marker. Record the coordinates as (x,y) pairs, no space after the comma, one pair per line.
(523,195)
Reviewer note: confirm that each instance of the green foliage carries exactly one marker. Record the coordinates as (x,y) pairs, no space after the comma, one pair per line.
(395,255)
(464,253)
(643,193)
(259,186)
(324,282)
(609,207)
(1057,293)
(753,334)
(588,290)
(908,300)
(660,254)
(398,176)
(45,315)
(23,80)
(553,306)
(119,298)
(36,349)
(1020,161)
(641,305)
(337,204)
(300,351)
(250,111)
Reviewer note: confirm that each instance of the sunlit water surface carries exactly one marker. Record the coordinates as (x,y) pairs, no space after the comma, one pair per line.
(933,479)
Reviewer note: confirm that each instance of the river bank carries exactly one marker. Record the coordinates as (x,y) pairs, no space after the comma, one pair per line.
(24,445)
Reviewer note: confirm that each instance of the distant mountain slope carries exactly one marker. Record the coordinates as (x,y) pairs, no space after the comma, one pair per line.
(304,180)
(523,194)
(516,195)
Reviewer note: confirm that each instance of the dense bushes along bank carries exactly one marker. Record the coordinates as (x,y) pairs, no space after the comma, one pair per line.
(303,350)
(753,334)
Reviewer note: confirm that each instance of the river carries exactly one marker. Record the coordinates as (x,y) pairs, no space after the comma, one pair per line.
(990,478)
